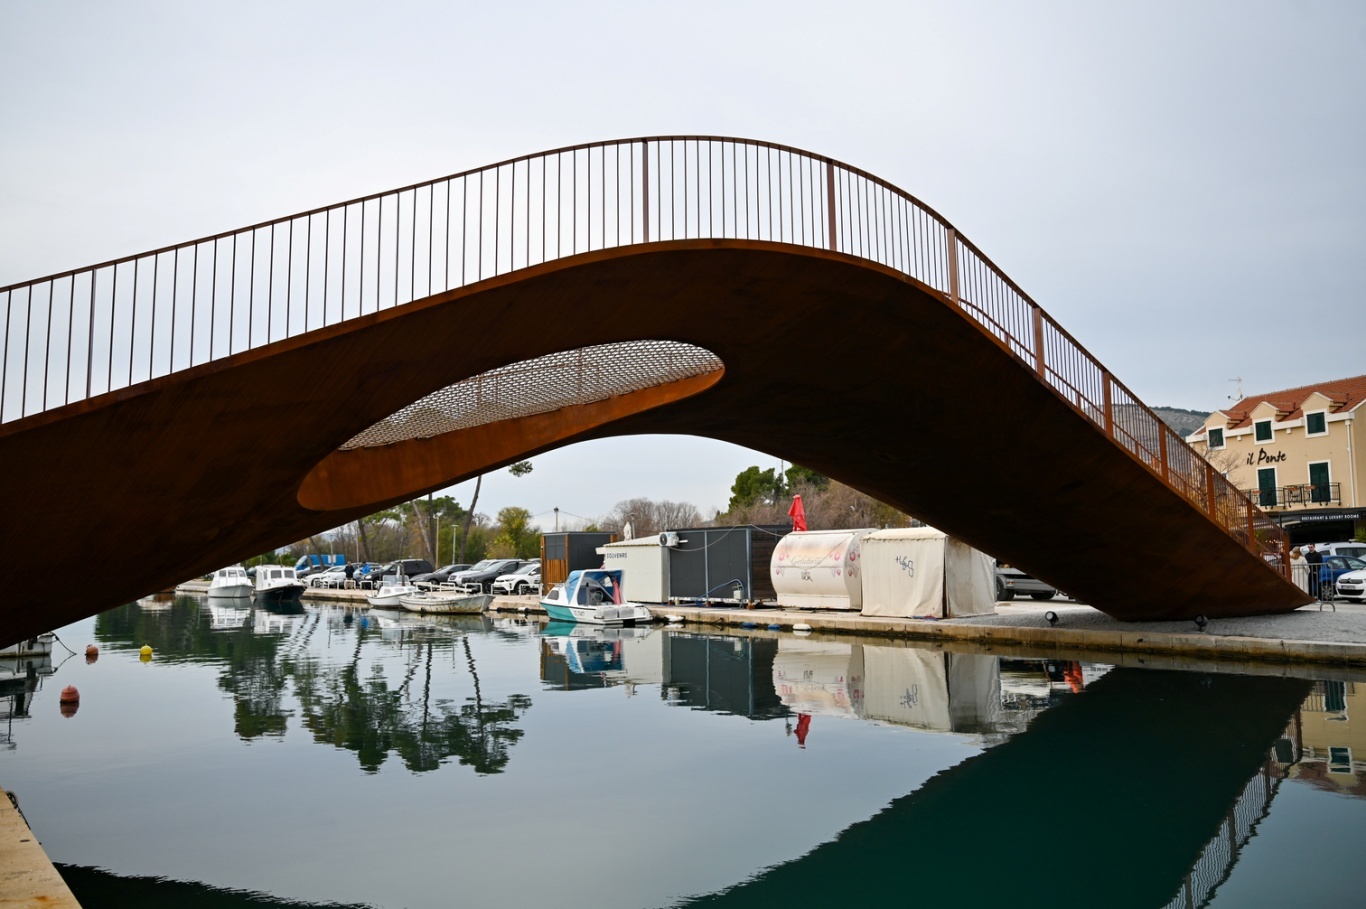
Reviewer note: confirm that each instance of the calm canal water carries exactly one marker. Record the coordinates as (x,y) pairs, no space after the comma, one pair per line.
(333,757)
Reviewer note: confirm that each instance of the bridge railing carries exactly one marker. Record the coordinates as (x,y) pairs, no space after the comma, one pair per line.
(86,332)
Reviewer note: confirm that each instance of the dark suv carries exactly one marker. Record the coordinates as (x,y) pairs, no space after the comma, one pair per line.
(406,567)
(486,572)
(439,576)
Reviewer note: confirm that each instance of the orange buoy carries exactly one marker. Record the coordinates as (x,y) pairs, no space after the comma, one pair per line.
(92,653)
(69,695)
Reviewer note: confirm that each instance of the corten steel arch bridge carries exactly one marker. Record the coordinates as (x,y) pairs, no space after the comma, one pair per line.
(164,414)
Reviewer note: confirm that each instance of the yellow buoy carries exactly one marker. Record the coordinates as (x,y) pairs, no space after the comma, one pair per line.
(145,654)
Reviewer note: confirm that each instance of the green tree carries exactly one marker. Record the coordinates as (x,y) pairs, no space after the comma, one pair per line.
(798,476)
(517,536)
(754,485)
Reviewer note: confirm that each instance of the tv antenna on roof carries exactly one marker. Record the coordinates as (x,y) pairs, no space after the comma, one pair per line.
(1239,380)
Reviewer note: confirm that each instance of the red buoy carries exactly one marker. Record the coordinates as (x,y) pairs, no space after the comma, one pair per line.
(69,695)
(92,653)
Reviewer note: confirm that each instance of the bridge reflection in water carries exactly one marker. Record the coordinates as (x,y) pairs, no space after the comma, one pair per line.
(1138,793)
(1141,791)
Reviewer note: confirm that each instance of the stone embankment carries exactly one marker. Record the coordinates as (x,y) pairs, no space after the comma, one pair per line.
(1331,635)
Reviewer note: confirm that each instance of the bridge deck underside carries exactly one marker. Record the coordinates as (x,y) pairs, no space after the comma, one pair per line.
(829,362)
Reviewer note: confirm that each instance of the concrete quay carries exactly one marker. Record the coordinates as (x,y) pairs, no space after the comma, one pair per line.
(27,875)
(1331,635)
(1307,635)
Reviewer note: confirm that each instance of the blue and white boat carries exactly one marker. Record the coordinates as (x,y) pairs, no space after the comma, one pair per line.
(593,596)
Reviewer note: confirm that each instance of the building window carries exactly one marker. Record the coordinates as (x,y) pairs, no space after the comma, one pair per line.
(1262,430)
(1266,487)
(1316,423)
(1320,483)
(1216,438)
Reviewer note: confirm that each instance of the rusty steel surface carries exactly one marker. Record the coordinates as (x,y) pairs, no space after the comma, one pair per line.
(81,341)
(901,397)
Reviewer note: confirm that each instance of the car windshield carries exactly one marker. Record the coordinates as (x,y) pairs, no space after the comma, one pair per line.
(480,566)
(1355,564)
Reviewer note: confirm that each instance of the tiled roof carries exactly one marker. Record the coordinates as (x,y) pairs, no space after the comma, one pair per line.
(1351,392)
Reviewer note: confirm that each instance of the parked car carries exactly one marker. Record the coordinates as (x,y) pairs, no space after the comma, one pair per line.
(1351,585)
(1335,569)
(439,576)
(1011,580)
(366,574)
(523,580)
(406,567)
(1355,550)
(332,577)
(484,573)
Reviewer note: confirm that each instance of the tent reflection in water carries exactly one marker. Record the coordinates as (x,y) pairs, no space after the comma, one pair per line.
(921,571)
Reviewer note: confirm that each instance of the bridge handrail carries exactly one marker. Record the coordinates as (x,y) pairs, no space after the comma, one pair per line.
(89,331)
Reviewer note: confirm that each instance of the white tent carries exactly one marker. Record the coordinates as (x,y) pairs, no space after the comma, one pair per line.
(921,571)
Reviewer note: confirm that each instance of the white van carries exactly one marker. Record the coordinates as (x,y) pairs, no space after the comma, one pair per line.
(1355,550)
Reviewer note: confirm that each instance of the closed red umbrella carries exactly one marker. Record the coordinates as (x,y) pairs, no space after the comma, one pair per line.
(797,513)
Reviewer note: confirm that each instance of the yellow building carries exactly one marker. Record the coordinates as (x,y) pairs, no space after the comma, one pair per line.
(1299,453)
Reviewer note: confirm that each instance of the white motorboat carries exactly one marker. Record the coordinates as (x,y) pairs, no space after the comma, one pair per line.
(230,583)
(35,646)
(391,591)
(446,602)
(593,596)
(277,583)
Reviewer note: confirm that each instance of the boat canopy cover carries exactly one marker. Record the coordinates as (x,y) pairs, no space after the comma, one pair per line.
(589,586)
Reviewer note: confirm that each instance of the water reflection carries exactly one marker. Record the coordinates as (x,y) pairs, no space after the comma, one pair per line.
(20,679)
(1102,785)
(1322,746)
(1087,772)
(280,661)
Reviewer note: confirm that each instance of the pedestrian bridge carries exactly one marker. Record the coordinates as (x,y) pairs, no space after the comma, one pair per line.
(168,413)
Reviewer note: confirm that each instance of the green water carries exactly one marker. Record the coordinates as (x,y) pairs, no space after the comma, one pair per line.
(330,757)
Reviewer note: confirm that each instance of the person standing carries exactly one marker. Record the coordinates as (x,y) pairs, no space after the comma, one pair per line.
(1314,559)
(1299,569)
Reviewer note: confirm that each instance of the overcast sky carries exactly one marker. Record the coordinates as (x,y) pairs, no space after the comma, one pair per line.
(1182,185)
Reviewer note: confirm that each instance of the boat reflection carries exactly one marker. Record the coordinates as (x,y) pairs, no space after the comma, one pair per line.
(577,657)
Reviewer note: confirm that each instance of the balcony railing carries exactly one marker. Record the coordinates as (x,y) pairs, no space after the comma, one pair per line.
(1300,496)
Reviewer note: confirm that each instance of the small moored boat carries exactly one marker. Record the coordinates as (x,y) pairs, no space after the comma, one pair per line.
(230,582)
(277,584)
(391,590)
(40,645)
(593,596)
(447,602)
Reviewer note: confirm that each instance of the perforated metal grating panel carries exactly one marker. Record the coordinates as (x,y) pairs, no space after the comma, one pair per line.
(542,385)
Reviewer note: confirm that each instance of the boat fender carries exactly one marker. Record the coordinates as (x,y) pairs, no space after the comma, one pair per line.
(774,627)
(801,626)
(746,624)
(674,619)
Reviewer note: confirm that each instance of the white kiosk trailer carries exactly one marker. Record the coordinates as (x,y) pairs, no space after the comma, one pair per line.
(644,562)
(819,569)
(921,571)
